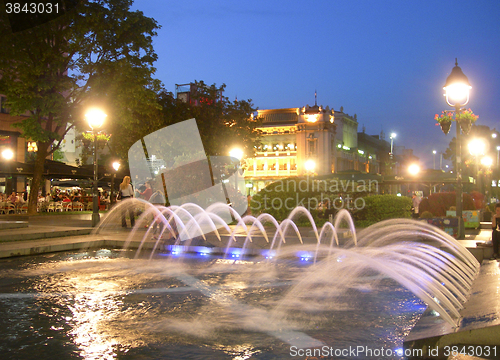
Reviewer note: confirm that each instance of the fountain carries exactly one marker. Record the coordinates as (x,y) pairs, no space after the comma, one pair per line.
(256,287)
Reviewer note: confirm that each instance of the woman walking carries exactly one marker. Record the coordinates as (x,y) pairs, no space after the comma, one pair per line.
(127,192)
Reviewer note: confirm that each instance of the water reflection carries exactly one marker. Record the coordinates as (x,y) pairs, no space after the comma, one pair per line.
(91,313)
(86,298)
(107,308)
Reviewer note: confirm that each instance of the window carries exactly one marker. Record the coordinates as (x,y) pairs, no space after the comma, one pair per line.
(311,144)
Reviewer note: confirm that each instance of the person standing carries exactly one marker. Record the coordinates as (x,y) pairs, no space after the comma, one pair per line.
(416,203)
(495,235)
(146,194)
(127,192)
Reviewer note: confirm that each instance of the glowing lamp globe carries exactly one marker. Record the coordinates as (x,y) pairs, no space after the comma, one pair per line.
(95,118)
(457,87)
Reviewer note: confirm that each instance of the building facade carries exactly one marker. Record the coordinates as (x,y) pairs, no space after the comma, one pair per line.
(312,140)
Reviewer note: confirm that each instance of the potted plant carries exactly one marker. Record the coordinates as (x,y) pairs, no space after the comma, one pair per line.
(444,120)
(466,118)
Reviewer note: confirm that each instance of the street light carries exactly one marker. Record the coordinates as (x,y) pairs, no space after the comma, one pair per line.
(310,165)
(457,89)
(392,137)
(413,169)
(487,161)
(7,154)
(95,118)
(236,153)
(434,152)
(477,147)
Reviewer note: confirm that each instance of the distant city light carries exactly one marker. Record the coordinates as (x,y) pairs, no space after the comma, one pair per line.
(413,169)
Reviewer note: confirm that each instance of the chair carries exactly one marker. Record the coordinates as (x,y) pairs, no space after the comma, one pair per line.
(2,208)
(10,207)
(59,207)
(67,206)
(51,207)
(23,209)
(90,206)
(77,206)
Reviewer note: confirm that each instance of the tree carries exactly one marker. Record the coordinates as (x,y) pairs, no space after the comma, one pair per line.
(98,54)
(222,123)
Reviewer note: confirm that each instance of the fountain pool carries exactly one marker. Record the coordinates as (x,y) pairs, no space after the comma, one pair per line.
(306,290)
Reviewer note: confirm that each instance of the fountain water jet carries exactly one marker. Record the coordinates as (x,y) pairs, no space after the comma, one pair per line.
(400,249)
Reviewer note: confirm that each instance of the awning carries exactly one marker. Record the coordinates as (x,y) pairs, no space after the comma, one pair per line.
(13,168)
(59,170)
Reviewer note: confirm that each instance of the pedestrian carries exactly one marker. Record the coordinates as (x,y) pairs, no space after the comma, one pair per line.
(416,203)
(146,194)
(495,235)
(127,192)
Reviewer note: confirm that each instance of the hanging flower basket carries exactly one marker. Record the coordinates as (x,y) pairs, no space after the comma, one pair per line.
(444,121)
(466,119)
(465,126)
(445,126)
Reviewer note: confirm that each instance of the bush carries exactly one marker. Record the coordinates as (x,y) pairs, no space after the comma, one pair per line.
(439,203)
(281,197)
(479,199)
(426,215)
(383,207)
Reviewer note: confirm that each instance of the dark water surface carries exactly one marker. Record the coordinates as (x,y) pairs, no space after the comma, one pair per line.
(105,305)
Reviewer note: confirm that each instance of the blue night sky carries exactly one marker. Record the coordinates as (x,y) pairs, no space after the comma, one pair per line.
(385,61)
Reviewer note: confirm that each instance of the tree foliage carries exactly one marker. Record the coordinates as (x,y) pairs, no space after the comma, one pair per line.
(222,123)
(98,54)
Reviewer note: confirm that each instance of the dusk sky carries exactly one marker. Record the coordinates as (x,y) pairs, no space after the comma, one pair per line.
(386,61)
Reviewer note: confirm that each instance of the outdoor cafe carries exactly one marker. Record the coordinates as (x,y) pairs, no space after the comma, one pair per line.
(66,187)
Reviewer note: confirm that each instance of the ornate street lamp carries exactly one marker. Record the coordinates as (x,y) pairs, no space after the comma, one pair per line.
(95,118)
(457,89)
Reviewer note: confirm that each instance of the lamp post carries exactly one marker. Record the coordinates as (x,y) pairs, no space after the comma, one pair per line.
(8,154)
(457,89)
(498,157)
(434,152)
(95,118)
(116,166)
(392,137)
